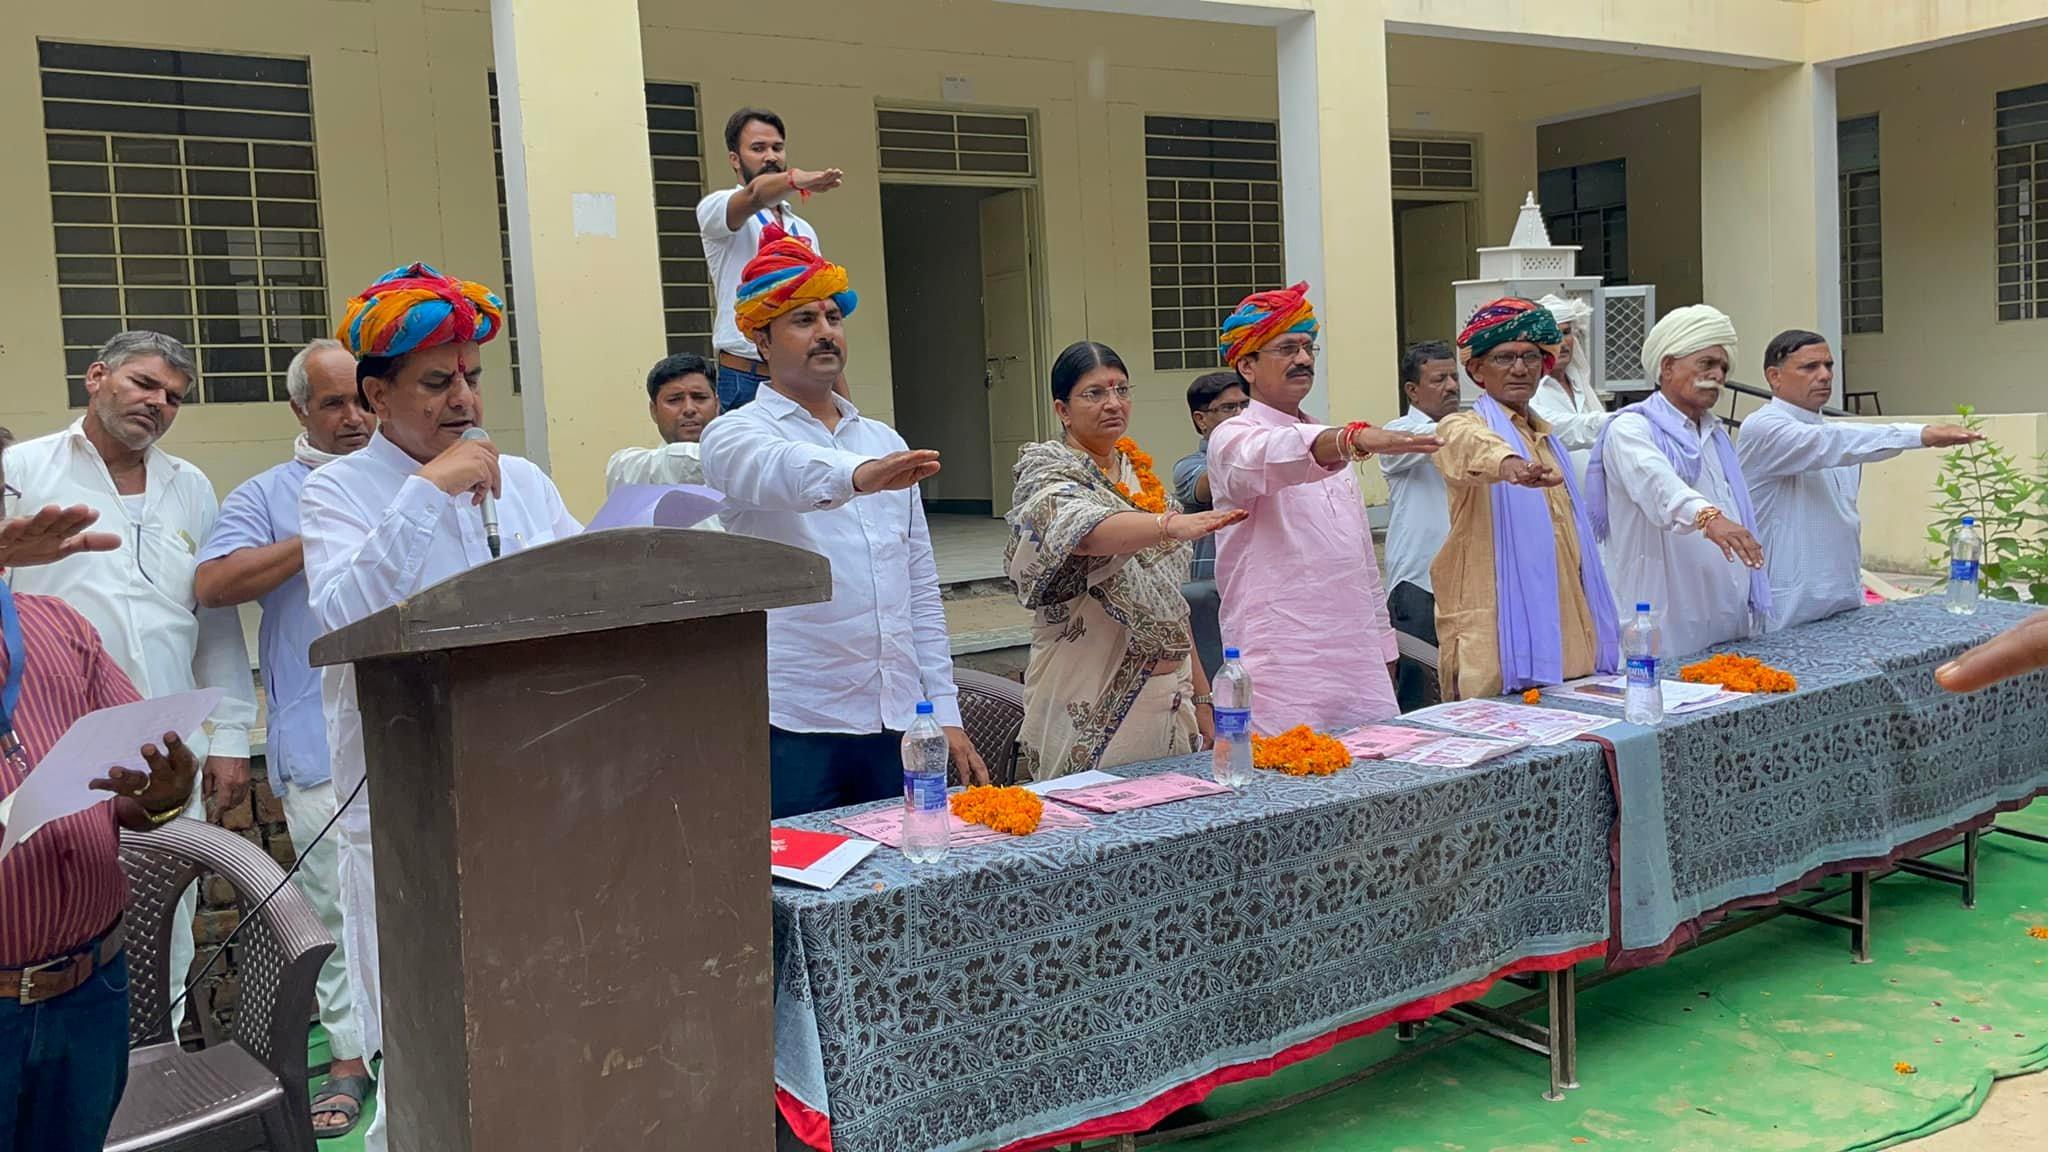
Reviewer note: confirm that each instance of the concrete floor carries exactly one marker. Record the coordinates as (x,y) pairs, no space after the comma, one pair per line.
(2014,1119)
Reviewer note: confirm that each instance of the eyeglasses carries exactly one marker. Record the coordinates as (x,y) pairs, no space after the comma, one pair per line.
(1290,351)
(1102,395)
(1506,360)
(1230,409)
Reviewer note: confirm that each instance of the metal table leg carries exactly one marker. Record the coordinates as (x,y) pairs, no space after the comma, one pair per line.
(1859,910)
(1559,988)
(1564,1027)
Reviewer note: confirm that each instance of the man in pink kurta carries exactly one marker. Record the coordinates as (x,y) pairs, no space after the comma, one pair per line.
(1301,591)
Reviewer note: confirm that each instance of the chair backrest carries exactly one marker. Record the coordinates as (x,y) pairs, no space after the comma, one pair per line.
(156,878)
(992,709)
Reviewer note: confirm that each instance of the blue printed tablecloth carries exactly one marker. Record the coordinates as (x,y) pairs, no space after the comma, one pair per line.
(1019,989)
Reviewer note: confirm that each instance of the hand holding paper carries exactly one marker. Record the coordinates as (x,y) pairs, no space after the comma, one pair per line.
(63,782)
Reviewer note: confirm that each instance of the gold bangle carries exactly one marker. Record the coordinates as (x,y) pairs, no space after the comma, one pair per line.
(1707,516)
(159,819)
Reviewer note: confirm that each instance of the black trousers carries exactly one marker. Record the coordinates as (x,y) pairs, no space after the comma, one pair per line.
(1413,611)
(811,771)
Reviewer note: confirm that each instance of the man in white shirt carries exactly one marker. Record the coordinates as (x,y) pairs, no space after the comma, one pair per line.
(1564,397)
(729,222)
(1803,474)
(1421,509)
(140,598)
(1667,497)
(802,466)
(382,523)
(681,400)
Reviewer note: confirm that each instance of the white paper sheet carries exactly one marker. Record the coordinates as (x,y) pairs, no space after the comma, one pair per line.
(657,505)
(1503,721)
(1679,697)
(94,745)
(1077,780)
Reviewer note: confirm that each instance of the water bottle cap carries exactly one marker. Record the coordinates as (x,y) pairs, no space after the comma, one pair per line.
(1230,653)
(1969,521)
(1642,606)
(924,707)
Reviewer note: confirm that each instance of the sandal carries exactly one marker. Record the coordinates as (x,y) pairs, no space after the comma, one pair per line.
(343,1095)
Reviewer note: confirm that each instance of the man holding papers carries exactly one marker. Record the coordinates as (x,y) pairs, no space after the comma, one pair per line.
(404,512)
(63,971)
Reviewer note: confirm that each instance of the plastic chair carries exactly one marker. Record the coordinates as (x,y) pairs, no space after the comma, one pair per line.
(992,709)
(248,1093)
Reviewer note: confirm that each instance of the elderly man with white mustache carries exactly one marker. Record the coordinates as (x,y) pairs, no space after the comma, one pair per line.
(1667,498)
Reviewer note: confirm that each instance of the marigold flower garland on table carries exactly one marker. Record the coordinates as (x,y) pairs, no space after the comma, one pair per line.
(1151,494)
(1012,810)
(1300,751)
(1738,674)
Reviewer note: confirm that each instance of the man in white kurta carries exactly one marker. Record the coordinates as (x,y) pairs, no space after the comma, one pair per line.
(1421,509)
(681,400)
(1803,473)
(1667,497)
(397,516)
(1565,398)
(140,598)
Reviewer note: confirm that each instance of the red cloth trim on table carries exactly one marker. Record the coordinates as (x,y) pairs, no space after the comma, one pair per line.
(1623,959)
(814,1128)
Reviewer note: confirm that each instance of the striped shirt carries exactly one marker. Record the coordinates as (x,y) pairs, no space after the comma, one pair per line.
(64,885)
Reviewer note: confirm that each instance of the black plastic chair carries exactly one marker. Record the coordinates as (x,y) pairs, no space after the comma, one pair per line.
(992,710)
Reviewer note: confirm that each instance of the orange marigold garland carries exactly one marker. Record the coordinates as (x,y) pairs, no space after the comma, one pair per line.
(1300,751)
(1151,494)
(1533,696)
(1738,674)
(1012,810)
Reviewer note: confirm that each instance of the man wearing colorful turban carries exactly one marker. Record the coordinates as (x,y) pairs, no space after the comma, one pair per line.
(1565,397)
(801,465)
(399,514)
(1522,600)
(1666,494)
(1301,591)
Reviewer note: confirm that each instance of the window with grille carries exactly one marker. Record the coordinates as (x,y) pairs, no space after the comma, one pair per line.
(1212,202)
(1862,252)
(2022,138)
(971,143)
(675,149)
(1430,165)
(1587,205)
(185,191)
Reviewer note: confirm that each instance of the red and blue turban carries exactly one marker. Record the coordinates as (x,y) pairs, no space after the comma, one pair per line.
(1506,321)
(417,307)
(784,275)
(1264,317)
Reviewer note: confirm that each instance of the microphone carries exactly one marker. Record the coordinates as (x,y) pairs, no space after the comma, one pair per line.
(490,505)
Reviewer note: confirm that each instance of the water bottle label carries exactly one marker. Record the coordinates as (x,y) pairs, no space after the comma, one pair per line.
(1642,671)
(1962,571)
(1233,723)
(924,793)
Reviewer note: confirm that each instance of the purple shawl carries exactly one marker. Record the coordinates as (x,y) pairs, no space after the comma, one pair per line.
(1674,437)
(1525,572)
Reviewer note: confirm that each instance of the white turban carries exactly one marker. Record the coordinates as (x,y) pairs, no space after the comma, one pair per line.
(1579,315)
(1684,331)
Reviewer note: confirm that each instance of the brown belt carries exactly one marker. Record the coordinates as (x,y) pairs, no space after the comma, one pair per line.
(742,364)
(54,978)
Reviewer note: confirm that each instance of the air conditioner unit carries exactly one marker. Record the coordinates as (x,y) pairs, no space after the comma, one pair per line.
(1622,316)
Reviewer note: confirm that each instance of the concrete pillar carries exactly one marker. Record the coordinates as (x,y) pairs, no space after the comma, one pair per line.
(1770,240)
(579,191)
(1337,200)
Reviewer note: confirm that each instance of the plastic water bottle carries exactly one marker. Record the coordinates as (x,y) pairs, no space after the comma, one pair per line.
(926,814)
(1965,558)
(1233,690)
(1644,703)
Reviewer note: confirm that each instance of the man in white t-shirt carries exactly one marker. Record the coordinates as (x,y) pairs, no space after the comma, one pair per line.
(730,222)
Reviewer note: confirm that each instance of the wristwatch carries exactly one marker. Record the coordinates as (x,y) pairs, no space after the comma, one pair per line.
(1208,699)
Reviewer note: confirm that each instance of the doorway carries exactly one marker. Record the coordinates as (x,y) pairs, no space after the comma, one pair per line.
(1432,248)
(960,263)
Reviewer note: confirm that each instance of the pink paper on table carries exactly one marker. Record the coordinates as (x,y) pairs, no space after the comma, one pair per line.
(1139,792)
(1384,741)
(886,825)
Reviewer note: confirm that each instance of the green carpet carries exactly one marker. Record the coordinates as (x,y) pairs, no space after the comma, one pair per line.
(1769,1041)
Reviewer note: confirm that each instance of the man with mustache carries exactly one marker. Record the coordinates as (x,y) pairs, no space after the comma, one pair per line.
(1302,599)
(1421,510)
(1666,494)
(140,597)
(681,400)
(1522,601)
(1803,473)
(402,513)
(730,223)
(254,553)
(802,466)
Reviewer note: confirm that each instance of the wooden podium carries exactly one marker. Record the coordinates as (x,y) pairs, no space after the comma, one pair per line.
(568,762)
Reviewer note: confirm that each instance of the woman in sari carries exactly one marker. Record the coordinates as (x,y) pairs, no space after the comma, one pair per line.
(1098,551)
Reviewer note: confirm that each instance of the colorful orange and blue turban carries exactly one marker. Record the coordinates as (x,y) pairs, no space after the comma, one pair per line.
(1264,317)
(1506,321)
(417,307)
(784,275)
